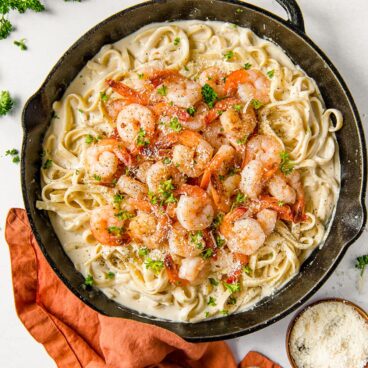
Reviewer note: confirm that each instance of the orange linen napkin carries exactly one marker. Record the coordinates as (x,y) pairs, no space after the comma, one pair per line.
(74,335)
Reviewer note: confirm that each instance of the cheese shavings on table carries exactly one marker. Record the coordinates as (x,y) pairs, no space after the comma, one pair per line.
(331,334)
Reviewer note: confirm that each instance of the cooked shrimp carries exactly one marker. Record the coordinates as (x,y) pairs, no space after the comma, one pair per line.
(141,171)
(219,164)
(250,84)
(132,187)
(238,125)
(159,172)
(103,159)
(214,134)
(195,209)
(130,95)
(279,188)
(215,78)
(191,269)
(222,191)
(180,242)
(191,153)
(264,148)
(149,229)
(267,219)
(252,181)
(243,235)
(106,227)
(136,126)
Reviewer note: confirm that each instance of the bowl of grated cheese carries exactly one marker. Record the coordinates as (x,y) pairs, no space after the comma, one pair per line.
(330,333)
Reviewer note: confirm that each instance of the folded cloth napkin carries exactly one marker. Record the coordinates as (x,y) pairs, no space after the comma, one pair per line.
(74,335)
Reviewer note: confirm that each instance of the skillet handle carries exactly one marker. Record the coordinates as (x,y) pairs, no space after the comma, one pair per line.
(295,16)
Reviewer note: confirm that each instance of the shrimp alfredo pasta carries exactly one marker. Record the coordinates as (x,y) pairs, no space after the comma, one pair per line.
(189,170)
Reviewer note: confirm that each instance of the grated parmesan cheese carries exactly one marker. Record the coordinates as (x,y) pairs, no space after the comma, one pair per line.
(330,335)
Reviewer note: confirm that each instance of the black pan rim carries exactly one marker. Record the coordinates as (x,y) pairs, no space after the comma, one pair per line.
(363,169)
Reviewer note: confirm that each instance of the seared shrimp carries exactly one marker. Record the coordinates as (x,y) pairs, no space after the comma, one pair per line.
(214,134)
(103,159)
(267,219)
(238,125)
(106,226)
(243,235)
(252,181)
(249,84)
(195,209)
(215,78)
(159,172)
(180,242)
(192,269)
(132,187)
(149,229)
(192,155)
(136,126)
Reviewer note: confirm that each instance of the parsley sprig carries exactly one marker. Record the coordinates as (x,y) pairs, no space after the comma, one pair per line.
(6,102)
(285,165)
(209,95)
(362,263)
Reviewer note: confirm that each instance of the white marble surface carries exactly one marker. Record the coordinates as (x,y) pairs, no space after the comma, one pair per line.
(339,27)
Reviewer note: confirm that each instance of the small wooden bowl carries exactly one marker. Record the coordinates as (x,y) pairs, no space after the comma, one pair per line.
(292,323)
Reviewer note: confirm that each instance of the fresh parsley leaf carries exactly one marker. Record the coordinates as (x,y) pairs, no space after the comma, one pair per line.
(212,302)
(175,125)
(285,165)
(191,110)
(217,220)
(6,103)
(224,312)
(115,230)
(12,152)
(247,66)
(47,164)
(229,55)
(124,215)
(154,265)
(239,11)
(233,288)
(97,177)
(118,198)
(239,199)
(21,44)
(280,203)
(90,139)
(142,252)
(110,275)
(89,280)
(271,73)
(162,90)
(207,253)
(207,314)
(166,161)
(213,281)
(257,104)
(141,141)
(176,41)
(362,263)
(23,5)
(196,238)
(231,300)
(247,269)
(220,241)
(237,107)
(140,75)
(209,95)
(242,140)
(103,96)
(16,159)
(5,28)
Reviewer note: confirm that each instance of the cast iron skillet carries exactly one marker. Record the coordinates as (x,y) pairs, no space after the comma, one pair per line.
(350,213)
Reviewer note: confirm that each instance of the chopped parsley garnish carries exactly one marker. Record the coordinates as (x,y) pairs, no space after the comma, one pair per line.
(118,198)
(271,73)
(89,280)
(257,104)
(142,252)
(213,281)
(242,140)
(362,263)
(247,66)
(186,68)
(140,75)
(233,288)
(224,312)
(176,41)
(141,140)
(207,253)
(153,265)
(175,125)
(247,269)
(220,112)
(212,302)
(6,103)
(16,159)
(196,238)
(90,139)
(12,152)
(207,314)
(5,27)
(239,199)
(233,171)
(47,164)
(104,97)
(110,275)
(280,203)
(191,110)
(21,44)
(97,177)
(124,215)
(239,10)
(217,220)
(237,107)
(164,194)
(219,241)
(229,55)
(231,300)
(166,161)
(162,90)
(115,230)
(285,165)
(209,95)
